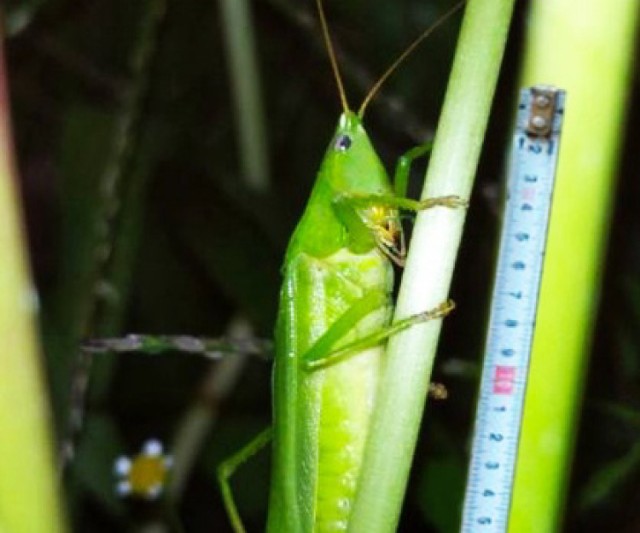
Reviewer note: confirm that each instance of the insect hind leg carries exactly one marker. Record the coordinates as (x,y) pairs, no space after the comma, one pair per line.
(352,348)
(227,468)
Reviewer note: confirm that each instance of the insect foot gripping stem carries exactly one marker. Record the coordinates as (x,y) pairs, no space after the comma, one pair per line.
(440,311)
(452,201)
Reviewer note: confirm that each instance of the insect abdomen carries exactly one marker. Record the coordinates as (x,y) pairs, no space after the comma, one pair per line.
(338,400)
(348,391)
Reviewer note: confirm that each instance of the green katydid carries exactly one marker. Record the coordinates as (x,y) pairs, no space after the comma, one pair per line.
(333,322)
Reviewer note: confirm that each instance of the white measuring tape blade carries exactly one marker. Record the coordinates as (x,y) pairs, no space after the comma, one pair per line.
(534,156)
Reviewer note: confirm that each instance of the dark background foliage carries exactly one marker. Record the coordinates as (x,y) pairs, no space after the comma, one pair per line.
(177,243)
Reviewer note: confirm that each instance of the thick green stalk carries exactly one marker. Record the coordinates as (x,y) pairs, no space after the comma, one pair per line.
(427,276)
(584,47)
(28,490)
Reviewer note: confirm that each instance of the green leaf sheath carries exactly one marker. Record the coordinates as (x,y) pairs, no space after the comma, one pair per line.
(429,267)
(586,48)
(29,496)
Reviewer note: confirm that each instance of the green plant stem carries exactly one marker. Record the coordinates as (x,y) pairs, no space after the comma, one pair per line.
(245,80)
(436,237)
(28,490)
(584,47)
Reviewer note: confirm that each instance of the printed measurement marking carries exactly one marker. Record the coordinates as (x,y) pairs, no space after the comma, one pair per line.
(503,379)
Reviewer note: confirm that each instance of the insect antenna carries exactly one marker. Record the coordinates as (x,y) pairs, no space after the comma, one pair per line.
(332,56)
(376,86)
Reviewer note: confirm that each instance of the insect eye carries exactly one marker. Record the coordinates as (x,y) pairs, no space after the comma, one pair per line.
(343,143)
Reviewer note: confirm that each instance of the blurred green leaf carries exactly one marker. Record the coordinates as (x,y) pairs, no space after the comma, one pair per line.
(608,479)
(100,446)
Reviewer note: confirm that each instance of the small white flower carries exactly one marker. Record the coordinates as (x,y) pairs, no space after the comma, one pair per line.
(144,475)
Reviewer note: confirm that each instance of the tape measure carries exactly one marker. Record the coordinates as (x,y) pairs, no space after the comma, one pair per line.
(534,156)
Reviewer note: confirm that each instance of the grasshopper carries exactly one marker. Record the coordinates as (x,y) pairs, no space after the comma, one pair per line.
(333,322)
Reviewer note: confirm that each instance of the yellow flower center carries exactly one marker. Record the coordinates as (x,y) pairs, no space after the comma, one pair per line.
(147,473)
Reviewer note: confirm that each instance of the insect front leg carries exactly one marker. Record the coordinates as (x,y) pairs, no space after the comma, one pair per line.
(372,201)
(403,166)
(373,219)
(401,181)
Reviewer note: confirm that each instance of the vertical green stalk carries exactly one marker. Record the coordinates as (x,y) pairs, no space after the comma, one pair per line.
(586,48)
(245,80)
(426,280)
(28,491)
